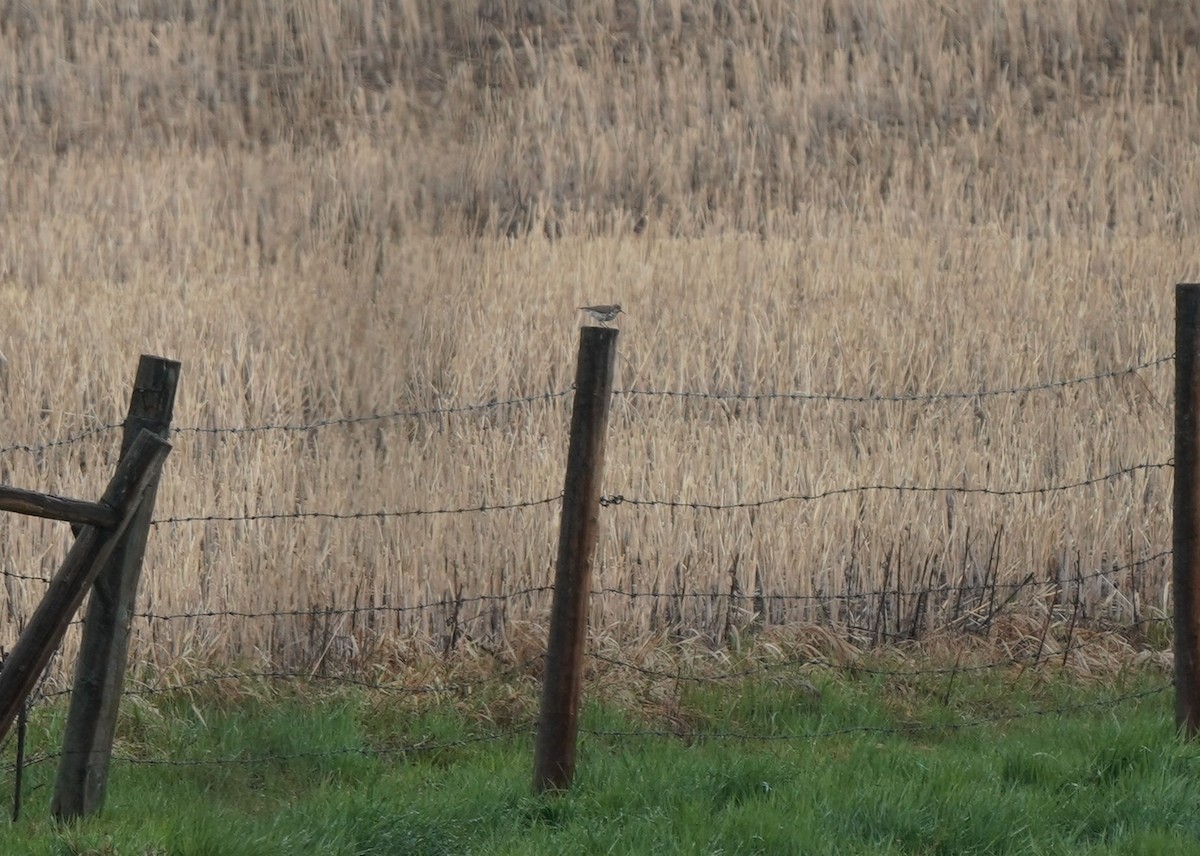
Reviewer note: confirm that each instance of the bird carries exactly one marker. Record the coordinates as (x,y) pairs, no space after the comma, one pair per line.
(603,313)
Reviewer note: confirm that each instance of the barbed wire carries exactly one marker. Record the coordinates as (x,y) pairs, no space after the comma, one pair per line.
(901,398)
(431,412)
(69,440)
(619,499)
(1063,581)
(944,590)
(354,515)
(720,596)
(1066,580)
(13,575)
(321,612)
(427,413)
(947,588)
(313,425)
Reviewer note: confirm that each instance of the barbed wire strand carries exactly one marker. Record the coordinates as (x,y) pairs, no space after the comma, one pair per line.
(901,398)
(619,499)
(494,404)
(69,440)
(632,392)
(321,612)
(611,500)
(717,594)
(355,515)
(946,589)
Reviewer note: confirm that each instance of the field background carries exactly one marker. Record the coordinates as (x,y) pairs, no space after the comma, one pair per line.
(331,210)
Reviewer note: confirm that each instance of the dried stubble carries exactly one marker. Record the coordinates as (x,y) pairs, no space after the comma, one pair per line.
(340,210)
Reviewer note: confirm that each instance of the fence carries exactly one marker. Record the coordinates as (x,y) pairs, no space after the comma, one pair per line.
(962,594)
(974,600)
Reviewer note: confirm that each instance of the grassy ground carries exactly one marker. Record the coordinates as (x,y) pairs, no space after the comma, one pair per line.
(796,759)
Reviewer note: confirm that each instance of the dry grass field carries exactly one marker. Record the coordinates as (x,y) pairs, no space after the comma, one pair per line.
(327,210)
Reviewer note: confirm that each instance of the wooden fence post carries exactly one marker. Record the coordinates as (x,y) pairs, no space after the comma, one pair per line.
(554,754)
(1186,527)
(100,669)
(25,663)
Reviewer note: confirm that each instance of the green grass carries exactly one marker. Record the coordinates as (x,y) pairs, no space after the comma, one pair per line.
(873,764)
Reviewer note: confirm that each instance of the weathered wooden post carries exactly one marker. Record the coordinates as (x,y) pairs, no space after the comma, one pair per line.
(44,631)
(558,722)
(1186,525)
(100,669)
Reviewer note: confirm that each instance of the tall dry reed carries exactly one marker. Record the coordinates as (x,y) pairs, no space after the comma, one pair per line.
(349,208)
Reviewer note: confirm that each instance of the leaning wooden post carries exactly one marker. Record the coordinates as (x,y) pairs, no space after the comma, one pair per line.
(41,637)
(558,722)
(1185,544)
(104,648)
